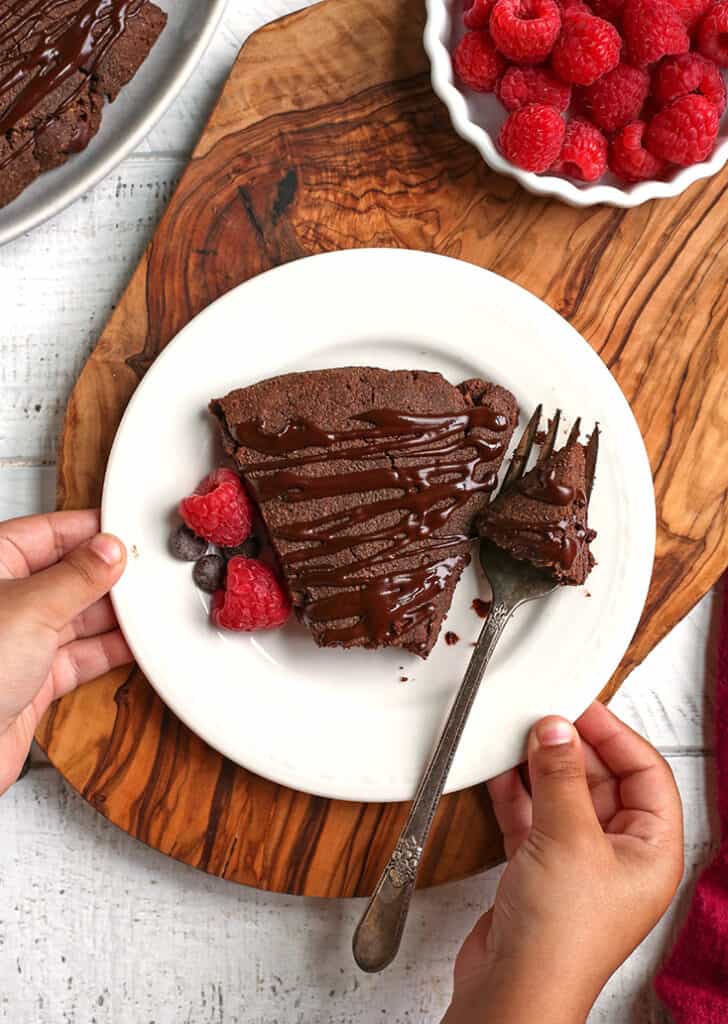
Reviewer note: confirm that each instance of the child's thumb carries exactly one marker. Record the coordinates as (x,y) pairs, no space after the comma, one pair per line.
(562,803)
(58,594)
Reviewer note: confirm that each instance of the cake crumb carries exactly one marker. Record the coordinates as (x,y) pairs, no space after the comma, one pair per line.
(134,551)
(588,594)
(451,638)
(480,607)
(540,437)
(403,679)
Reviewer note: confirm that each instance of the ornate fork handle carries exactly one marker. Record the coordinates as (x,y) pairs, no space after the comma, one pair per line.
(379,933)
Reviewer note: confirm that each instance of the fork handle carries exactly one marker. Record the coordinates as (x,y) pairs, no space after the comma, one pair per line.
(378,935)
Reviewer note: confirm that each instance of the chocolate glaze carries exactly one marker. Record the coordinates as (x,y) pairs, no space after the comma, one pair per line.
(548,543)
(444,469)
(545,488)
(78,42)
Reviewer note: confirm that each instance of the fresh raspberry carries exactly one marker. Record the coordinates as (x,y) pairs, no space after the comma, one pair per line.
(477,63)
(685,74)
(691,11)
(617,97)
(628,158)
(653,29)
(219,510)
(684,133)
(584,152)
(253,598)
(532,137)
(610,10)
(574,5)
(525,30)
(522,85)
(587,48)
(713,35)
(477,15)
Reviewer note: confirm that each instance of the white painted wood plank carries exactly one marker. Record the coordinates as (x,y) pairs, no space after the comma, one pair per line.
(58,286)
(96,927)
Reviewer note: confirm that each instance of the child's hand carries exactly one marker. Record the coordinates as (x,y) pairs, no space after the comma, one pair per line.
(57,628)
(595,856)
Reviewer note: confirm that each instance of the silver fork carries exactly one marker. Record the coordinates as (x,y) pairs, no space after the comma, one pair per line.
(513,583)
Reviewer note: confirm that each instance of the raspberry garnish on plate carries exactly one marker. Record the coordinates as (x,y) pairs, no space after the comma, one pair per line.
(525,31)
(253,598)
(219,510)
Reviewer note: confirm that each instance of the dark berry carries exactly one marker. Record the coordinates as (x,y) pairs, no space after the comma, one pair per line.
(185,544)
(209,573)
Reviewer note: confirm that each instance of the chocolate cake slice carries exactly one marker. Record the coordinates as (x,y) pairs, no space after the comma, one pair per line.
(542,518)
(369,482)
(60,60)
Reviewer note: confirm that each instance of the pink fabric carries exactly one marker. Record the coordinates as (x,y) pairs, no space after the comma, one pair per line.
(693,982)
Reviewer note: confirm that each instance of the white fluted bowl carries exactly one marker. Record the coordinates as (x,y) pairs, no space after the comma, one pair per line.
(477,117)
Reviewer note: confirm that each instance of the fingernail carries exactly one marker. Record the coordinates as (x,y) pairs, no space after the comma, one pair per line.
(554,732)
(108,548)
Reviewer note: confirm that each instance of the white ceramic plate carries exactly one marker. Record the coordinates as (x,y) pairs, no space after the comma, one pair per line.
(335,722)
(477,117)
(125,122)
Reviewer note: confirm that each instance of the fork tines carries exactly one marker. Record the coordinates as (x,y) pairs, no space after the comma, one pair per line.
(522,454)
(592,450)
(523,450)
(547,448)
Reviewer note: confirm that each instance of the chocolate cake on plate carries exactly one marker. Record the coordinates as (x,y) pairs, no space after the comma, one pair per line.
(369,482)
(542,518)
(60,60)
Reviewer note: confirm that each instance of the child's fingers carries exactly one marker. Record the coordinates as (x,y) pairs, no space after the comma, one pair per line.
(603,784)
(83,660)
(646,782)
(99,618)
(32,543)
(562,803)
(57,595)
(512,806)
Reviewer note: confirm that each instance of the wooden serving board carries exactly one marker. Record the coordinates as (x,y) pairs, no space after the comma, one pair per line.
(327,135)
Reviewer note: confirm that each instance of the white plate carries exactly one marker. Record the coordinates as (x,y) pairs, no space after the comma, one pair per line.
(125,122)
(335,722)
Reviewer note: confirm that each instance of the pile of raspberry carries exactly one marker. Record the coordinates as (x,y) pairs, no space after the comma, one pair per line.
(630,85)
(217,534)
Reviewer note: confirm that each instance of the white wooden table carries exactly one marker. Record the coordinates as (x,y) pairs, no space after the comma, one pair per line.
(95,927)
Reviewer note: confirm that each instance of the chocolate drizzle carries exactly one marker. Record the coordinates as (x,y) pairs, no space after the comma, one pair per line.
(548,543)
(546,488)
(54,53)
(412,473)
